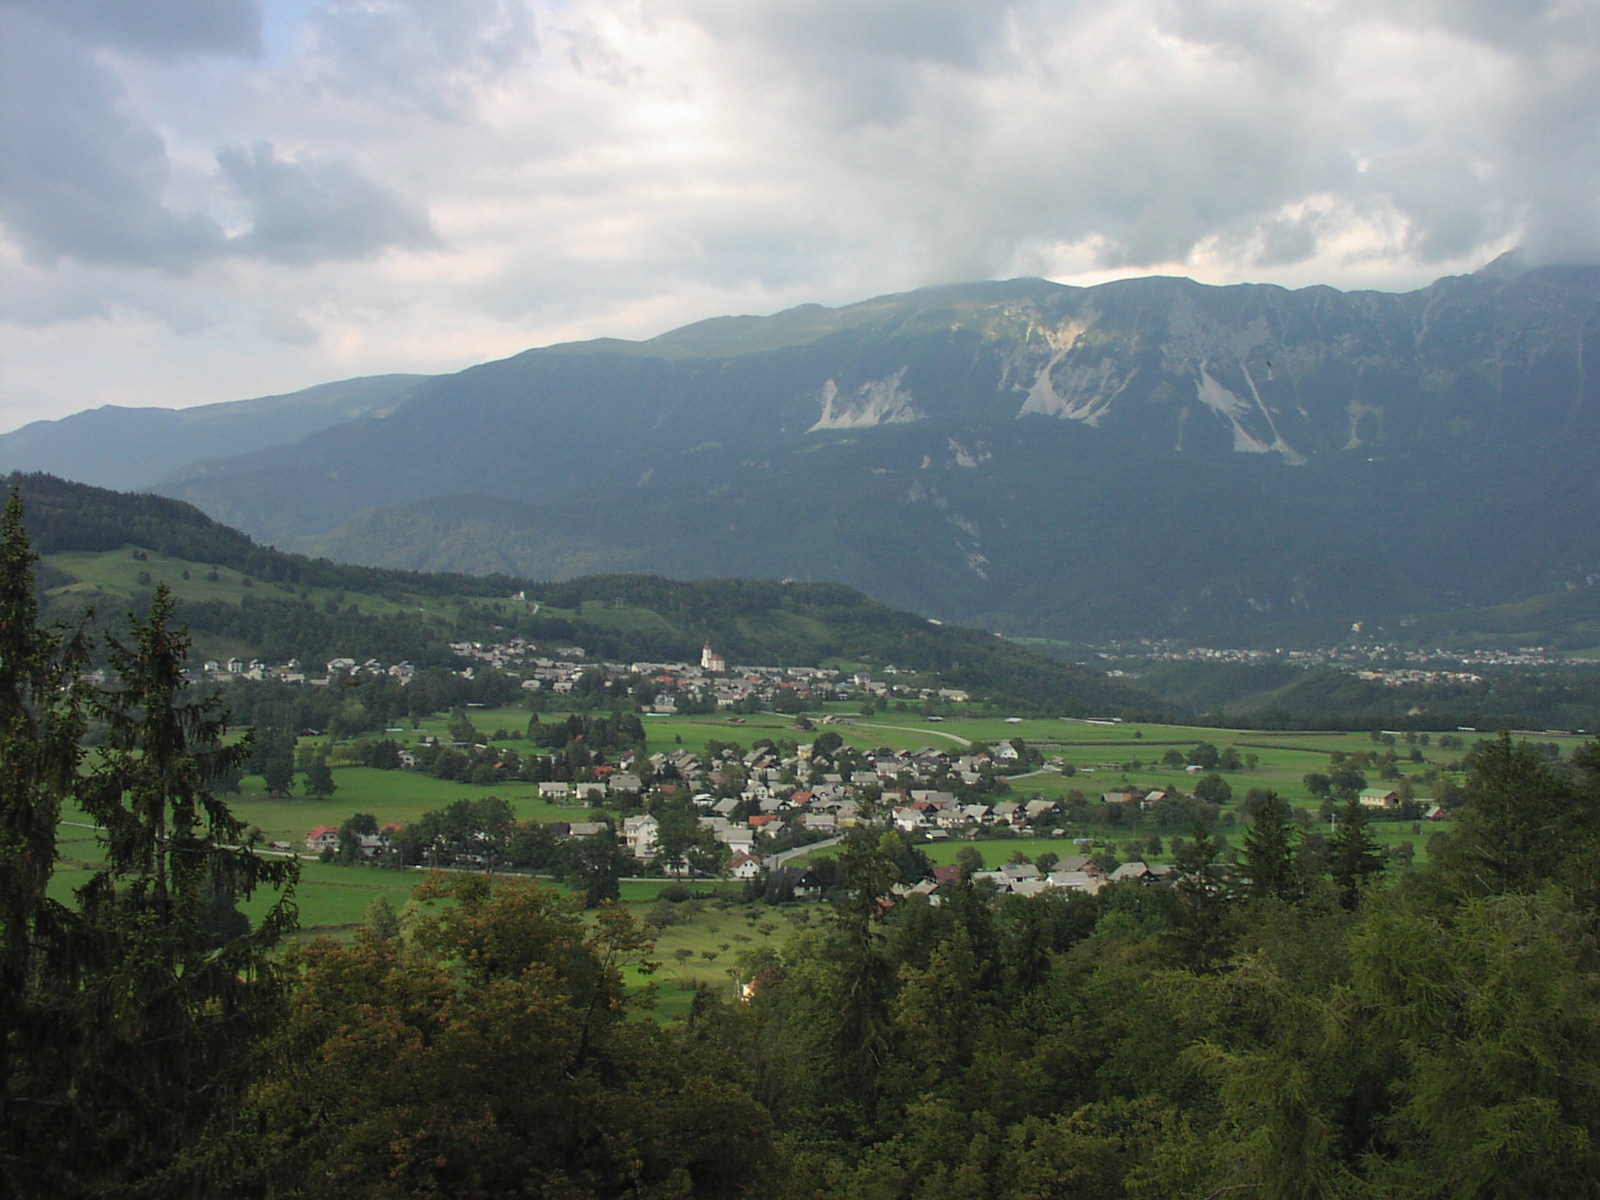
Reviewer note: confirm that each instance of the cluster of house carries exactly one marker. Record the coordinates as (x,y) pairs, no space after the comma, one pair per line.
(294,671)
(1071,872)
(326,837)
(749,799)
(1392,665)
(674,685)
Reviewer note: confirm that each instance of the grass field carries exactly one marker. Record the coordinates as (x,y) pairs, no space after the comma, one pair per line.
(397,797)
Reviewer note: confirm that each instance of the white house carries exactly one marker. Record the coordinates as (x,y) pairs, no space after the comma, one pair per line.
(640,835)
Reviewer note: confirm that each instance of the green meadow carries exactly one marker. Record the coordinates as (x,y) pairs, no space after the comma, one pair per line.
(397,797)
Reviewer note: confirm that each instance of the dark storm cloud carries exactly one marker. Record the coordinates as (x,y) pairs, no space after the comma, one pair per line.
(317,210)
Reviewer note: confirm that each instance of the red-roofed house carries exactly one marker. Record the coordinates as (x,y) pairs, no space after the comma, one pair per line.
(323,837)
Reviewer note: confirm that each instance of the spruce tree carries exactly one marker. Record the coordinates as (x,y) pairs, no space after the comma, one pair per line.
(1268,857)
(1354,857)
(168,1012)
(40,728)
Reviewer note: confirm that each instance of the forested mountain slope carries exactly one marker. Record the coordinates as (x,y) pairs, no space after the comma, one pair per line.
(1146,457)
(110,549)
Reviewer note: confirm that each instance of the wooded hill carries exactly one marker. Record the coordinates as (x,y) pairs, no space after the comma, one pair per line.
(110,549)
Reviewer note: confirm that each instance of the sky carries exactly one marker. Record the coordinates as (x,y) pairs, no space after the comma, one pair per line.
(207,200)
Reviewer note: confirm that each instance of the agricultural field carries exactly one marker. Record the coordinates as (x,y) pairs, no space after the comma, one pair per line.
(394,797)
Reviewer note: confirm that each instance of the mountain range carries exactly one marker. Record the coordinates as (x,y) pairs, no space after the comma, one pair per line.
(1151,457)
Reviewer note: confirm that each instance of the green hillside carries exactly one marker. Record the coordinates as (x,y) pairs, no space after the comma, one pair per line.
(105,552)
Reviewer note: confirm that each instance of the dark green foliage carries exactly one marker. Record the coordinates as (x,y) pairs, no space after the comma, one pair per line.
(495,1056)
(130,1023)
(167,1013)
(1524,824)
(596,867)
(1353,856)
(40,727)
(319,783)
(1268,857)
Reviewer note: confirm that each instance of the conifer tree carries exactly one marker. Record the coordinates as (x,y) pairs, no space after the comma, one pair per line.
(166,1017)
(1354,856)
(1268,857)
(40,728)
(1200,894)
(866,975)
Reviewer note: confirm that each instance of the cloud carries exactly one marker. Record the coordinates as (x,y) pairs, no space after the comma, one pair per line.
(80,177)
(163,29)
(317,210)
(405,178)
(429,56)
(857,62)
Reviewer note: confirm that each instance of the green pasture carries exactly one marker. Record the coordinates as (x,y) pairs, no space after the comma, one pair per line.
(665,734)
(113,578)
(396,797)
(333,900)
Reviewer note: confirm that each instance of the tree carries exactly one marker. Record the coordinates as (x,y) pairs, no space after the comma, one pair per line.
(1347,781)
(1198,885)
(496,1056)
(1354,857)
(1492,1018)
(867,978)
(355,827)
(40,728)
(1268,858)
(970,860)
(166,1016)
(277,773)
(1213,789)
(319,784)
(381,923)
(596,866)
(683,844)
(1524,825)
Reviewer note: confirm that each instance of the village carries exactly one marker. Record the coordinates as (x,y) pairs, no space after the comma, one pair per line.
(758,808)
(753,810)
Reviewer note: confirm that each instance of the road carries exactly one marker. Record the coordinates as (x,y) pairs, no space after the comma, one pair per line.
(951,737)
(773,861)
